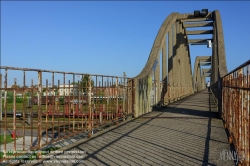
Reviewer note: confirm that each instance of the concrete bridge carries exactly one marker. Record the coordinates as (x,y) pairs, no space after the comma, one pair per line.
(163,116)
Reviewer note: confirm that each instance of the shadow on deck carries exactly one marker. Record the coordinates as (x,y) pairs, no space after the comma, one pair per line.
(187,132)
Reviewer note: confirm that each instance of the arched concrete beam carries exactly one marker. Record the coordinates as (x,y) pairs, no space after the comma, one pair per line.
(143,82)
(219,66)
(220,46)
(197,72)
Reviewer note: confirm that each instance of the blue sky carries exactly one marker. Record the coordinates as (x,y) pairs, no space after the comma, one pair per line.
(107,37)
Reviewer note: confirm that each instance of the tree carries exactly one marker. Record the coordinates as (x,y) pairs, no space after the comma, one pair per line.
(13,86)
(84,83)
(10,97)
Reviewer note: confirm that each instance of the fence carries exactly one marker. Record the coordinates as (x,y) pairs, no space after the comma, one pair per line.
(235,109)
(47,111)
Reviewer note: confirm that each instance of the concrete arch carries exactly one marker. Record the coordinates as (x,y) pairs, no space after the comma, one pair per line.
(218,66)
(205,73)
(149,89)
(197,77)
(148,83)
(159,40)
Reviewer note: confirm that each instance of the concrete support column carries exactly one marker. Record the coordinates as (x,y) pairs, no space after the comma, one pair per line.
(170,65)
(190,74)
(164,73)
(179,59)
(214,59)
(182,63)
(199,77)
(175,63)
(131,96)
(157,79)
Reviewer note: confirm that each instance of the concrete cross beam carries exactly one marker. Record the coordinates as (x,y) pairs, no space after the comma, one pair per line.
(199,32)
(202,24)
(190,41)
(206,71)
(197,19)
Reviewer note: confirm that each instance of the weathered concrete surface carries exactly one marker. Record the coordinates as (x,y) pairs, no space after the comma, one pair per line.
(186,132)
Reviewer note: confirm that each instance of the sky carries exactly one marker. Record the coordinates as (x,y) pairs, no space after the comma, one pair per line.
(106,37)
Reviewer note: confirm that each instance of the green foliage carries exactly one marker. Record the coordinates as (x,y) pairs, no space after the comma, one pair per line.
(13,86)
(25,99)
(8,139)
(84,83)
(10,97)
(19,100)
(61,99)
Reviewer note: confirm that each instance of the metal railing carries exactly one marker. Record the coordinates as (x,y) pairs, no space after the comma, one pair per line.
(44,110)
(235,109)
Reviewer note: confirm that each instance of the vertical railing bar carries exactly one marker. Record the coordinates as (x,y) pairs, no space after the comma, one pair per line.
(14,116)
(91,99)
(105,100)
(83,99)
(53,103)
(39,125)
(79,103)
(111,99)
(95,95)
(5,110)
(89,108)
(53,111)
(70,105)
(31,115)
(47,111)
(100,112)
(86,111)
(23,121)
(73,94)
(1,109)
(107,108)
(123,90)
(102,99)
(57,110)
(117,104)
(64,107)
(113,86)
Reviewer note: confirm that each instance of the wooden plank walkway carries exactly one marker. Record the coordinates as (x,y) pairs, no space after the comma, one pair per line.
(187,132)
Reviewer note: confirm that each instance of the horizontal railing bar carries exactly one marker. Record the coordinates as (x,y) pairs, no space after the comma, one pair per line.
(236,87)
(239,67)
(54,71)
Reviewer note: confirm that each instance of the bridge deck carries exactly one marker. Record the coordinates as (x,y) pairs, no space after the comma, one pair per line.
(187,132)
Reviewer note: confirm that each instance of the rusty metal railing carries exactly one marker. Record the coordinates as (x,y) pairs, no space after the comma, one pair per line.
(54,105)
(235,106)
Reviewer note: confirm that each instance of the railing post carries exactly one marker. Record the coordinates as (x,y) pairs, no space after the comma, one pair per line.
(117,106)
(39,95)
(14,116)
(90,125)
(1,110)
(124,95)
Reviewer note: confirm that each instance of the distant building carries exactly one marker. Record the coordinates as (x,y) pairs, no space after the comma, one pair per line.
(67,90)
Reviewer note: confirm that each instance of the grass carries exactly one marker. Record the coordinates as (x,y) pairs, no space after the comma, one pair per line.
(20,107)
(8,139)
